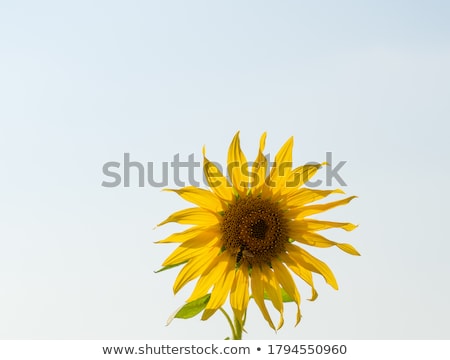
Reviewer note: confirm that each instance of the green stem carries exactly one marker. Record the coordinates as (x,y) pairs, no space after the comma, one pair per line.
(229,322)
(236,328)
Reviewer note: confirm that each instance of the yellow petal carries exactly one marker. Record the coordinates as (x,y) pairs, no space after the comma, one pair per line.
(304,274)
(257,284)
(349,249)
(301,175)
(282,167)
(194,268)
(239,295)
(287,282)
(221,288)
(216,181)
(317,240)
(259,168)
(193,216)
(208,277)
(238,166)
(190,233)
(197,246)
(303,196)
(317,225)
(274,291)
(309,210)
(313,264)
(201,197)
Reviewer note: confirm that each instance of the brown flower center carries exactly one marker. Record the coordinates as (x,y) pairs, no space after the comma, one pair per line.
(254,230)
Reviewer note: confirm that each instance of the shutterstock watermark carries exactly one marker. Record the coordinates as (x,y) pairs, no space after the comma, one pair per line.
(188,172)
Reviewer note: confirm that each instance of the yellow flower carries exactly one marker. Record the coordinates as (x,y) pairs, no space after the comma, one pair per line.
(248,234)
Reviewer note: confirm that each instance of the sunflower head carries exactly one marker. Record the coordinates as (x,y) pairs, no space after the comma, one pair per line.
(248,235)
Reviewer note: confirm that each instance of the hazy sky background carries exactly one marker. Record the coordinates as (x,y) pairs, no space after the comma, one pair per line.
(82,83)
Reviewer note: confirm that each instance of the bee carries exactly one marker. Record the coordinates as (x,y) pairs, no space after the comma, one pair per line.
(243,252)
(239,256)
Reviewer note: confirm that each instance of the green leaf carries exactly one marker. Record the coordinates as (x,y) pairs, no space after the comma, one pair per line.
(284,296)
(170,267)
(190,309)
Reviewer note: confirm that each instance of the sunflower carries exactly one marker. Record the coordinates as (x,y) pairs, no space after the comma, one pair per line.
(248,234)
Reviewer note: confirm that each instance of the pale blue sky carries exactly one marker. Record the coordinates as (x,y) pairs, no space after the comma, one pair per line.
(82,83)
